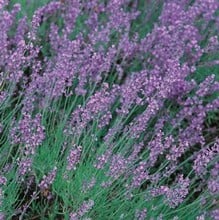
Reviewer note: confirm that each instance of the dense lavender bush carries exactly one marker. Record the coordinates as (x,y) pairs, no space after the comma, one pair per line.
(109,110)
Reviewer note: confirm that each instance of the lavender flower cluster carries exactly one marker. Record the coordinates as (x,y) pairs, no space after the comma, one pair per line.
(134,104)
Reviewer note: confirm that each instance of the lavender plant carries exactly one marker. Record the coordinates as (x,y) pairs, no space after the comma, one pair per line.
(109,109)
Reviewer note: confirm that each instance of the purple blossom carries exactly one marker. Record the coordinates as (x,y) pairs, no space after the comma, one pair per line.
(158,146)
(118,166)
(98,105)
(29,133)
(92,63)
(2,216)
(72,10)
(141,214)
(102,159)
(85,207)
(74,157)
(213,183)
(48,179)
(215,214)
(140,174)
(204,157)
(174,195)
(87,185)
(3,3)
(24,165)
(3,180)
(39,15)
